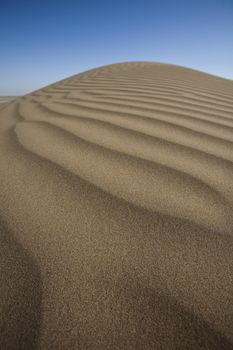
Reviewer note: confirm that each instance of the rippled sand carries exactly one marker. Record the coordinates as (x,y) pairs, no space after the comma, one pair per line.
(116,192)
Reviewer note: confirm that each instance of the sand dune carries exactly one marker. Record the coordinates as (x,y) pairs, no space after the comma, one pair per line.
(117,211)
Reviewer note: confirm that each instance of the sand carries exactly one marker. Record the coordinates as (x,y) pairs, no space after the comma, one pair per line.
(116,192)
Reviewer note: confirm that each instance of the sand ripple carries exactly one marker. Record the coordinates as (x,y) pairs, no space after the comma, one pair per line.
(119,182)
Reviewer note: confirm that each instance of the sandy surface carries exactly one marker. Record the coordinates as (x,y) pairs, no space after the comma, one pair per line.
(116,192)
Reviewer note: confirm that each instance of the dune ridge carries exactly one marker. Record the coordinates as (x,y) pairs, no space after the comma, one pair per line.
(118,182)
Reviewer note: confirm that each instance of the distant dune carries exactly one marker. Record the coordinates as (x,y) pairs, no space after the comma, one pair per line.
(116,192)
(4,99)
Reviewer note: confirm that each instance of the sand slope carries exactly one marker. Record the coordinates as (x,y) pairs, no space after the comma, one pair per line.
(117,193)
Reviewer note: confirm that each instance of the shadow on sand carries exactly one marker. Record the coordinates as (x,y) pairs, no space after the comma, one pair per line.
(20,290)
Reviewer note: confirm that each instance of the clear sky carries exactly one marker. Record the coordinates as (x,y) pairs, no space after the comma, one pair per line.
(43,41)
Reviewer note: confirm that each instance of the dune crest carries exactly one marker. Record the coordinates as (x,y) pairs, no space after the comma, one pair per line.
(119,183)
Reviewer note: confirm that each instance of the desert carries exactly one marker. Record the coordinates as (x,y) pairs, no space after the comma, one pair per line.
(116,192)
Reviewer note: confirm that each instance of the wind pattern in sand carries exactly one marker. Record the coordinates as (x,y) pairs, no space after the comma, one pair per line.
(116,205)
(157,136)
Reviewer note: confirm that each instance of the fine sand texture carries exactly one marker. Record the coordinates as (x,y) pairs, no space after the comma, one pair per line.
(116,206)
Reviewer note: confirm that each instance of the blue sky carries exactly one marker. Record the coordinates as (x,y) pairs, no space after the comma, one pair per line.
(44,41)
